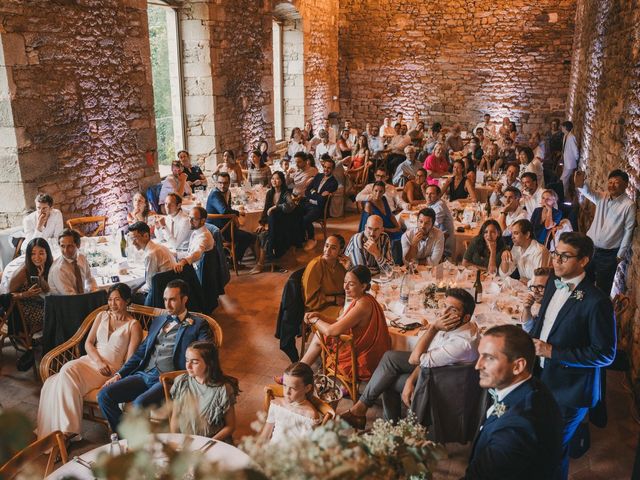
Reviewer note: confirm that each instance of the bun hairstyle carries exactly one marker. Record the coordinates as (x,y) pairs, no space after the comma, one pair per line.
(303,371)
(123,289)
(363,274)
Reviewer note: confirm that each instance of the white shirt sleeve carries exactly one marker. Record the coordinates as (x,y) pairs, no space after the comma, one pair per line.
(456,350)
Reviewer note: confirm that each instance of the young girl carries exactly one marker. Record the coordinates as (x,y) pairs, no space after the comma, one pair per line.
(292,416)
(204,397)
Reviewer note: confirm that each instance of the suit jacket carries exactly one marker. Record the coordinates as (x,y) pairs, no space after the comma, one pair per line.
(187,334)
(525,442)
(583,339)
(216,203)
(314,193)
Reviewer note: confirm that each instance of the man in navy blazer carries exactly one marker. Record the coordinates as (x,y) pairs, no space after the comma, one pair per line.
(162,351)
(315,197)
(574,335)
(521,436)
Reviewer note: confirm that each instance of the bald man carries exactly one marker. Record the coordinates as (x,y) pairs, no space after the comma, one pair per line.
(371,248)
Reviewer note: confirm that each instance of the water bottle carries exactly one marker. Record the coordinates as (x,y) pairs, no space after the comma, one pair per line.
(114,447)
(405,288)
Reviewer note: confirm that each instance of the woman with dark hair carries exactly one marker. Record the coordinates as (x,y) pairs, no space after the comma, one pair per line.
(113,338)
(363,318)
(141,210)
(459,187)
(259,173)
(343,144)
(195,177)
(204,397)
(278,229)
(230,166)
(485,250)
(378,205)
(296,143)
(263,148)
(528,163)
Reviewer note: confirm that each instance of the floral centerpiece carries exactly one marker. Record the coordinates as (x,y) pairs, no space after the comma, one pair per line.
(429,296)
(99,258)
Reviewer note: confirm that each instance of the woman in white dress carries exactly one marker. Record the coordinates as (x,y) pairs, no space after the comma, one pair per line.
(113,338)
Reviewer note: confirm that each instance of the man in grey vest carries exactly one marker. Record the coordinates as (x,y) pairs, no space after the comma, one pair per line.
(162,351)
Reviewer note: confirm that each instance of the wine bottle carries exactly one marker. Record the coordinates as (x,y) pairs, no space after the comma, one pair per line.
(488,208)
(477,285)
(123,244)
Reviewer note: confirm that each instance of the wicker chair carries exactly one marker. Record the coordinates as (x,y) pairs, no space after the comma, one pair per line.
(329,354)
(53,361)
(323,221)
(101,221)
(326,411)
(231,226)
(49,445)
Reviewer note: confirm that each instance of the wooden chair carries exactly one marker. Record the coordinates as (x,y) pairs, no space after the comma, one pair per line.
(74,223)
(329,354)
(323,221)
(326,411)
(231,227)
(4,323)
(167,379)
(17,251)
(52,443)
(53,361)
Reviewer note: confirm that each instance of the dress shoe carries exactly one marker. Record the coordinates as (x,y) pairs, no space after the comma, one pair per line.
(356,421)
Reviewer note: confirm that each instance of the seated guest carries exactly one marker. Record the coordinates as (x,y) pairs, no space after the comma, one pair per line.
(375,142)
(360,155)
(195,177)
(325,147)
(459,187)
(263,148)
(200,242)
(475,153)
(259,173)
(277,223)
(70,273)
(163,350)
(390,192)
(296,143)
(512,210)
(413,192)
(174,228)
(483,140)
(230,167)
(323,279)
(528,163)
(453,143)
(204,398)
(387,129)
(363,318)
(300,176)
(371,248)
(533,300)
(322,185)
(449,340)
(485,250)
(546,216)
(141,210)
(521,435)
(531,194)
(157,258)
(113,338)
(444,218)
(436,164)
(396,148)
(506,154)
(491,159)
(219,202)
(407,170)
(176,182)
(343,144)
(527,254)
(46,222)
(423,244)
(293,416)
(509,179)
(378,205)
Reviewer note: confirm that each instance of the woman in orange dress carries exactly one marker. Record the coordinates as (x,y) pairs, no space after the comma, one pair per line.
(363,318)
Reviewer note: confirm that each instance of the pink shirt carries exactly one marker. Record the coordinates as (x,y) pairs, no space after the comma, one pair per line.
(435,164)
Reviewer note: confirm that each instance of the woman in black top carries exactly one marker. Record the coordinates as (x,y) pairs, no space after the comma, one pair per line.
(459,187)
(485,250)
(195,177)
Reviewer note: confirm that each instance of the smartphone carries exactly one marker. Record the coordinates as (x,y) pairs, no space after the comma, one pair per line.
(34,280)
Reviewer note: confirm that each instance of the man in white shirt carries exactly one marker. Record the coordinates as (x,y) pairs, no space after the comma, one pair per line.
(570,156)
(157,258)
(487,126)
(396,148)
(374,142)
(176,182)
(46,222)
(407,170)
(512,210)
(200,241)
(70,273)
(449,340)
(527,254)
(444,218)
(324,147)
(174,228)
(531,194)
(386,129)
(300,176)
(612,226)
(326,126)
(391,194)
(423,244)
(509,179)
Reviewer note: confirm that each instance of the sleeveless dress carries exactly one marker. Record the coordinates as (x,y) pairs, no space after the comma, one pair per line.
(289,425)
(61,397)
(386,216)
(459,192)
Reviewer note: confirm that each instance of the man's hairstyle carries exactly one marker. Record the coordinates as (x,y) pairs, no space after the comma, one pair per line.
(381,169)
(579,241)
(422,170)
(177,197)
(327,158)
(176,163)
(140,227)
(619,174)
(68,232)
(530,175)
(379,184)
(181,151)
(341,240)
(438,189)
(568,125)
(181,284)
(543,271)
(322,133)
(468,303)
(436,127)
(514,190)
(525,226)
(428,212)
(517,343)
(223,175)
(44,198)
(528,152)
(202,212)
(301,155)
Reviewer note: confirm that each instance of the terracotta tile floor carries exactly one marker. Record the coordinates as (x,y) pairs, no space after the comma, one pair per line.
(250,352)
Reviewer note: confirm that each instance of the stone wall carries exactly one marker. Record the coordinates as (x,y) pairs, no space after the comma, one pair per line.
(79,100)
(604,104)
(453,61)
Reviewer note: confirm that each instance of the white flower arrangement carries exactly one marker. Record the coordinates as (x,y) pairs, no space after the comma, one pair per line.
(499,409)
(578,295)
(99,258)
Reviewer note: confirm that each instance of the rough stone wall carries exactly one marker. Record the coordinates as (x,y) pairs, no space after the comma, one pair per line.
(453,61)
(80,94)
(604,104)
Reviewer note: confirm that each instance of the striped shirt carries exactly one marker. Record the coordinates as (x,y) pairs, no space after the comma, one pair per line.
(357,255)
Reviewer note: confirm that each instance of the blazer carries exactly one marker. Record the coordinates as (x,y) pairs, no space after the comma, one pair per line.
(291,314)
(187,334)
(314,192)
(216,203)
(525,442)
(583,339)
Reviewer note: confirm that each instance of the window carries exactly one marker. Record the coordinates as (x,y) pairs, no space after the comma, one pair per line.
(278,107)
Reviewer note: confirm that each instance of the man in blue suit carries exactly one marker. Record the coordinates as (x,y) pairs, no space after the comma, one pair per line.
(315,197)
(162,351)
(574,335)
(521,436)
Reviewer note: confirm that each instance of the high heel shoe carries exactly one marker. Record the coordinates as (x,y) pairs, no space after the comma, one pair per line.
(356,421)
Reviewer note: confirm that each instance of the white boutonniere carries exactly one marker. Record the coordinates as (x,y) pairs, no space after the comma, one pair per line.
(578,295)
(499,409)
(187,322)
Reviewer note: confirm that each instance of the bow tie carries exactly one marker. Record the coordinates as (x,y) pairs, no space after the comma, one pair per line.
(562,285)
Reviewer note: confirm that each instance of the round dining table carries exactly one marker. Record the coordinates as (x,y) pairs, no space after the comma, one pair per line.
(226,456)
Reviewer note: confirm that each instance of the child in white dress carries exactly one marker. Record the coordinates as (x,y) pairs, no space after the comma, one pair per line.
(292,416)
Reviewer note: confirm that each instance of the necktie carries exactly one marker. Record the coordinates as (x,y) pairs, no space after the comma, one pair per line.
(171,228)
(78,276)
(560,285)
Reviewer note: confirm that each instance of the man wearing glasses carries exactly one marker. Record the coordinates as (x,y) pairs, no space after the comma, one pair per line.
(536,292)
(574,335)
(390,192)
